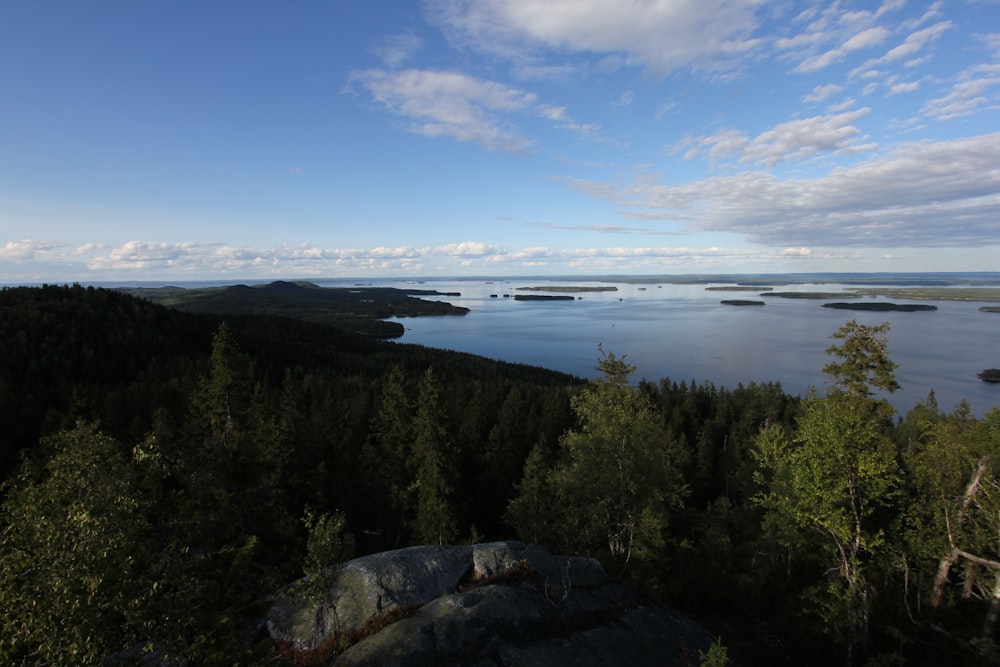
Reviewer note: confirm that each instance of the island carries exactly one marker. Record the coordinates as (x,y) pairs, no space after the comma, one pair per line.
(738,288)
(935,293)
(741,302)
(543,297)
(989,375)
(881,306)
(989,309)
(812,295)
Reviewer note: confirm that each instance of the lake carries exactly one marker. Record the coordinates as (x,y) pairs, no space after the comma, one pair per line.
(683,332)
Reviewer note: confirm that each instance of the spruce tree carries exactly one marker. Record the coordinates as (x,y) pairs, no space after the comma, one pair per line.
(435,521)
(386,458)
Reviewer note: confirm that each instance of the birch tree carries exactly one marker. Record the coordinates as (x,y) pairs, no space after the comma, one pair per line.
(834,473)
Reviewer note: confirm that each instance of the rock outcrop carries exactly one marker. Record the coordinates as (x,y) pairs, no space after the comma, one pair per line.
(493,604)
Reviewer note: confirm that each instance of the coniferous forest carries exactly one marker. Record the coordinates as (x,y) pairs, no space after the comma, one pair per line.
(164,472)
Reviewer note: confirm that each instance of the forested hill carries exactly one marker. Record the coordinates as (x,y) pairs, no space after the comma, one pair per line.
(101,355)
(165,472)
(359,309)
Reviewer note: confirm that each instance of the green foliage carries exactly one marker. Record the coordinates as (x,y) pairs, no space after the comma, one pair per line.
(717,655)
(327,544)
(386,457)
(617,476)
(950,527)
(435,521)
(864,364)
(531,511)
(838,471)
(164,528)
(74,553)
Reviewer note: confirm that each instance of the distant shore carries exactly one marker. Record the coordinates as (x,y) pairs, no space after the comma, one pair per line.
(569,288)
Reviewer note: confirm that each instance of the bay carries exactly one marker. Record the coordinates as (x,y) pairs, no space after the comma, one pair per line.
(684,332)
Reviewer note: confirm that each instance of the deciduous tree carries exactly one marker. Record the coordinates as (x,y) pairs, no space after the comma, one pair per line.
(837,471)
(617,475)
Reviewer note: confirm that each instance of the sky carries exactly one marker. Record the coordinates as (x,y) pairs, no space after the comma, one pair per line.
(253,140)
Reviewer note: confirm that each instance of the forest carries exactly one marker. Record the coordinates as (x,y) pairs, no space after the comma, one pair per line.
(165,471)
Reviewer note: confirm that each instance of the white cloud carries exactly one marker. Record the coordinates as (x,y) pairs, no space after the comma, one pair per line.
(562,119)
(396,49)
(842,106)
(917,41)
(462,107)
(820,93)
(794,140)
(866,39)
(27,249)
(943,194)
(890,6)
(970,94)
(660,35)
(144,260)
(914,44)
(821,61)
(898,87)
(450,104)
(992,42)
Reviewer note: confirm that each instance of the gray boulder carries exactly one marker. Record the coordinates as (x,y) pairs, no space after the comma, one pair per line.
(490,604)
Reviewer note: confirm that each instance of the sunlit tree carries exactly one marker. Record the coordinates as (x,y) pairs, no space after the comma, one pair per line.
(834,474)
(616,479)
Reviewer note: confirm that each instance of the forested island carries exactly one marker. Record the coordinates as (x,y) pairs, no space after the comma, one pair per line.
(881,306)
(742,302)
(811,295)
(544,297)
(166,472)
(990,375)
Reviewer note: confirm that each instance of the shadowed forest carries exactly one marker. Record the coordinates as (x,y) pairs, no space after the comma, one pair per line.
(165,471)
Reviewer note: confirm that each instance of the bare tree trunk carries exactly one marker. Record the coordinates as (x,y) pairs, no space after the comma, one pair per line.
(946,562)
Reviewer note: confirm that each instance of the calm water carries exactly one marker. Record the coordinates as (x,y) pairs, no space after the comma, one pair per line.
(684,333)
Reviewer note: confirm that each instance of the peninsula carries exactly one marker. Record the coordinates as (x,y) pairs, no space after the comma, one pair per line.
(357,309)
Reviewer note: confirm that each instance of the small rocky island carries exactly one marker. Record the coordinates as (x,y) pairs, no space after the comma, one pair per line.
(881,306)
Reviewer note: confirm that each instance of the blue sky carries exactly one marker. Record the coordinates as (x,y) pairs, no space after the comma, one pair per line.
(253,140)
